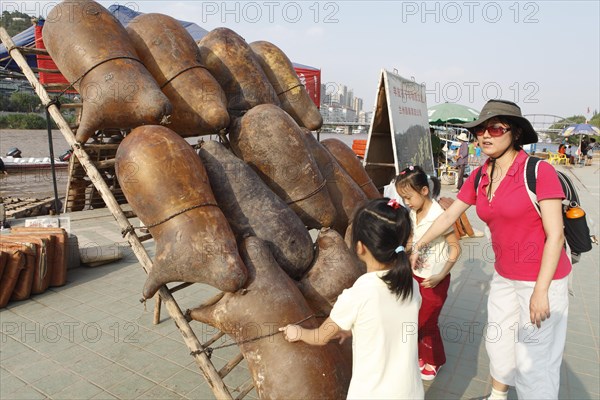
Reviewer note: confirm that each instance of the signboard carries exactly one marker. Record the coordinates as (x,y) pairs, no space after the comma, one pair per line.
(399,132)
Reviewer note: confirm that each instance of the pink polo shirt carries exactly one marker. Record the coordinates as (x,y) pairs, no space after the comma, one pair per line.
(517,232)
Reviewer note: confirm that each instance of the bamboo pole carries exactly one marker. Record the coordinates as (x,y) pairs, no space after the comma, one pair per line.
(210,373)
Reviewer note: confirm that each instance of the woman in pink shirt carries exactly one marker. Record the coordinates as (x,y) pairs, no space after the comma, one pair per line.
(528,299)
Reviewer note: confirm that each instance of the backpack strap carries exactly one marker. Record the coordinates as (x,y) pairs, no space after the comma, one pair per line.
(530,173)
(477,179)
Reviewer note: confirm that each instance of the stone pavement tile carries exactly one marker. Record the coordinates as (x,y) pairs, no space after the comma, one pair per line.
(25,393)
(582,339)
(202,391)
(184,381)
(114,292)
(580,326)
(69,355)
(118,351)
(174,351)
(143,337)
(161,371)
(590,383)
(79,390)
(85,313)
(126,311)
(11,347)
(100,343)
(467,370)
(575,350)
(133,300)
(466,315)
(467,304)
(89,366)
(32,370)
(466,388)
(9,383)
(159,392)
(236,378)
(563,391)
(138,359)
(106,377)
(596,330)
(470,349)
(57,300)
(104,396)
(131,387)
(55,382)
(582,366)
(165,327)
(579,387)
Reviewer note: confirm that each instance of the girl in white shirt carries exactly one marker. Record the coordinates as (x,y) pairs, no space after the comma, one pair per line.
(381,309)
(433,272)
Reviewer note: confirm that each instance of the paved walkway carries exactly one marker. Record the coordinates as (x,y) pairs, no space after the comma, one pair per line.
(92,338)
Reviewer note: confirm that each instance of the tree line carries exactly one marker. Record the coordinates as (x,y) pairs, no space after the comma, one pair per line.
(15,22)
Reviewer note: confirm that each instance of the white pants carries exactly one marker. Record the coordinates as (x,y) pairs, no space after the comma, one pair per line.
(521,354)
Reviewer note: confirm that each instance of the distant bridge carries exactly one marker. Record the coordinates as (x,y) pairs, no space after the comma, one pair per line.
(542,122)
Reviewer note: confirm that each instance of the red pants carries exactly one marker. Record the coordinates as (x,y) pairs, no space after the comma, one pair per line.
(431,346)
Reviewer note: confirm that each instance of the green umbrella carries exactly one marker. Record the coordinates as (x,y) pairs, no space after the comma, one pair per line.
(451,113)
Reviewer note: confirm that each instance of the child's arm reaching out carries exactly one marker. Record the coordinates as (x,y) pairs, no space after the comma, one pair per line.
(453,255)
(316,337)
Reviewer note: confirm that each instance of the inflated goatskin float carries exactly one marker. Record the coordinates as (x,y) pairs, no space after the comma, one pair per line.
(43,246)
(291,92)
(334,269)
(17,278)
(252,209)
(171,55)
(166,185)
(351,164)
(93,51)
(280,370)
(272,143)
(231,61)
(345,194)
(13,268)
(3,260)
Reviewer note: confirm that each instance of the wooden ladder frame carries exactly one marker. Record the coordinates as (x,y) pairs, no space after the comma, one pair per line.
(213,377)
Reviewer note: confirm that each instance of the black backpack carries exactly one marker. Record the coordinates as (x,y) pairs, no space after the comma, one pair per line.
(577,232)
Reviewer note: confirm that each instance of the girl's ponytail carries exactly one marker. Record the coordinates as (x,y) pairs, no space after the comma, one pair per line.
(384,227)
(399,278)
(435,187)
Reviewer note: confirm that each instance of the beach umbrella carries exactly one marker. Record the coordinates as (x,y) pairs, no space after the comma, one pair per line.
(451,113)
(580,130)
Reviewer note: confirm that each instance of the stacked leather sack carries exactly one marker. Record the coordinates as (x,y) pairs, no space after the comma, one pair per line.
(31,260)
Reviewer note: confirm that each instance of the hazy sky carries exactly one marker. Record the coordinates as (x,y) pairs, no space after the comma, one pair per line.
(545,55)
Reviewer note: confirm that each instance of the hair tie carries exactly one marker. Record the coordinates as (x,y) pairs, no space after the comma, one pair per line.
(428,177)
(394,204)
(399,249)
(411,168)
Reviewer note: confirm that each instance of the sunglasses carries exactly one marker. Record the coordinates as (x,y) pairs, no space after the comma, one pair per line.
(494,131)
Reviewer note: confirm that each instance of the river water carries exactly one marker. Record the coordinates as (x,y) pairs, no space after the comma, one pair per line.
(39,184)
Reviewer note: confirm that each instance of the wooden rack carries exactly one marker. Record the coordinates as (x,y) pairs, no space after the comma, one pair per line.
(90,160)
